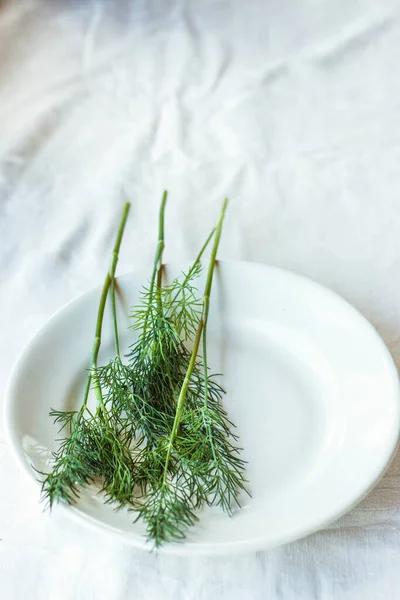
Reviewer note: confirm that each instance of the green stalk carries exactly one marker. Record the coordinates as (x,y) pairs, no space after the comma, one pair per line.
(157,268)
(196,344)
(115,320)
(206,298)
(195,263)
(161,243)
(93,374)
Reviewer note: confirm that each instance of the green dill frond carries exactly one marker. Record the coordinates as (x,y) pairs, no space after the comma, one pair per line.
(69,473)
(116,464)
(96,445)
(167,511)
(168,514)
(159,441)
(99,448)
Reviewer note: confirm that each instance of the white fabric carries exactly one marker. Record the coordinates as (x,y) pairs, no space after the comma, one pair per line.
(292,109)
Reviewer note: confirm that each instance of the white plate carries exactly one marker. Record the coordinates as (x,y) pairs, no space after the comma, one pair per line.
(310,384)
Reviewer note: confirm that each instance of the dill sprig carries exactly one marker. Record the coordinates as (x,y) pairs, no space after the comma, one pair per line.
(159,440)
(96,445)
(165,317)
(198,461)
(223,474)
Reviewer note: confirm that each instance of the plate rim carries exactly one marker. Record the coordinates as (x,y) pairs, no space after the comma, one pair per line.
(193,548)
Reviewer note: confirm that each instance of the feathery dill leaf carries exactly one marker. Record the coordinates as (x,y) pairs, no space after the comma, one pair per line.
(160,441)
(96,445)
(198,462)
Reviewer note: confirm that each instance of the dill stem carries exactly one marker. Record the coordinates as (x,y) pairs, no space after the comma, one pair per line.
(93,375)
(194,265)
(206,308)
(202,327)
(157,268)
(207,294)
(161,243)
(87,389)
(115,320)
(198,258)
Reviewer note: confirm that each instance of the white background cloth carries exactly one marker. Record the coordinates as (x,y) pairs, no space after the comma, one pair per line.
(292,109)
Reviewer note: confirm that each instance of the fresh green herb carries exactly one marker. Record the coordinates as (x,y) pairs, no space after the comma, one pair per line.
(159,440)
(165,318)
(196,461)
(97,445)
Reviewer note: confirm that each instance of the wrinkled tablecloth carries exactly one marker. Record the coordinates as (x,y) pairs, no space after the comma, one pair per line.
(290,108)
